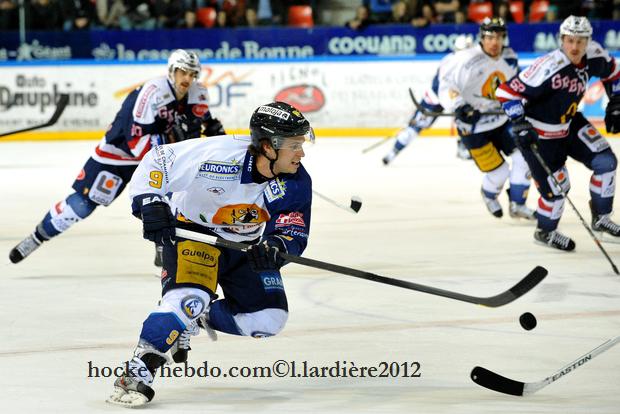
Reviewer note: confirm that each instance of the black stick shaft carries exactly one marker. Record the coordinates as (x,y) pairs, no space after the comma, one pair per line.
(524,286)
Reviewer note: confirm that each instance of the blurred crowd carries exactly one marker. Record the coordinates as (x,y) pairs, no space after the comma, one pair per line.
(150,14)
(421,13)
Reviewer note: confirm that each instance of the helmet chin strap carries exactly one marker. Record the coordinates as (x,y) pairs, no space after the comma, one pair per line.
(271,161)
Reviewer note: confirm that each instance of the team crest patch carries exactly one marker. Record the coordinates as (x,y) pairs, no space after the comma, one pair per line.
(219,170)
(192,306)
(275,189)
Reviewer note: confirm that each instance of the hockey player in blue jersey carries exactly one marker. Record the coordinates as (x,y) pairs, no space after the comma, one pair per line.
(420,121)
(246,189)
(542,102)
(166,109)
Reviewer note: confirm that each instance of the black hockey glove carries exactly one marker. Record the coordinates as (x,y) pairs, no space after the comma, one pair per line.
(467,114)
(214,127)
(612,115)
(523,133)
(158,223)
(264,256)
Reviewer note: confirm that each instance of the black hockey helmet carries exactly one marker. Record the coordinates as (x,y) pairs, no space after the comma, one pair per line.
(492,25)
(277,121)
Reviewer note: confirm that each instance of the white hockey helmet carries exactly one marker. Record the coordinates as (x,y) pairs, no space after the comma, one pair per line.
(463,42)
(576,26)
(184,60)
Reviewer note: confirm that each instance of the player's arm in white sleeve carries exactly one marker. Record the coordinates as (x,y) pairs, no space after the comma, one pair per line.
(449,91)
(145,128)
(163,170)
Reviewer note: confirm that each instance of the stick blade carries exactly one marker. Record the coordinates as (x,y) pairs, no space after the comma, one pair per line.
(493,381)
(521,288)
(63,100)
(356,203)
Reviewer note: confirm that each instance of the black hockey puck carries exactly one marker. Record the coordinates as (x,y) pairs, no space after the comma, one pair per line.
(527,321)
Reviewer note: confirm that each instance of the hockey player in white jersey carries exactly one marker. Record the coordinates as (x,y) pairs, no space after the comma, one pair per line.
(542,102)
(165,109)
(469,91)
(246,189)
(430,101)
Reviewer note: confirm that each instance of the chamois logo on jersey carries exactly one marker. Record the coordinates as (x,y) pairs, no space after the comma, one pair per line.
(490,85)
(240,214)
(291,219)
(306,98)
(219,170)
(192,305)
(275,189)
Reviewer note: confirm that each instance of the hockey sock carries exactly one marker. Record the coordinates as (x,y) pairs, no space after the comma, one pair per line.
(602,189)
(548,213)
(64,214)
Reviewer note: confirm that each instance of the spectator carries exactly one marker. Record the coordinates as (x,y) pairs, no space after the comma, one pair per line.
(264,12)
(139,16)
(168,13)
(447,10)
(44,15)
(399,13)
(78,14)
(189,20)
(110,17)
(361,20)
(422,13)
(502,10)
(596,9)
(8,15)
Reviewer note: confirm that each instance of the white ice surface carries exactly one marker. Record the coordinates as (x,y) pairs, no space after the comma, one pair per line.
(83,296)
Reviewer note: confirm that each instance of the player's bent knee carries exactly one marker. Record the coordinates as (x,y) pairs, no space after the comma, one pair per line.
(603,162)
(498,176)
(266,322)
(186,303)
(81,205)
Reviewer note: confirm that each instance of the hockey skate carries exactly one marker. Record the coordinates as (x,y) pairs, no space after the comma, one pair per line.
(493,205)
(554,239)
(602,223)
(24,248)
(461,151)
(521,211)
(181,347)
(390,156)
(132,389)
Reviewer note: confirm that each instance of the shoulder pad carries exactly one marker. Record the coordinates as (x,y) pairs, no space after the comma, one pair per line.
(543,68)
(595,50)
(197,93)
(509,53)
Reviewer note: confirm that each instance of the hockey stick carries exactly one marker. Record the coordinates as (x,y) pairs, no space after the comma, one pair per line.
(518,290)
(63,100)
(430,113)
(377,144)
(543,164)
(499,383)
(354,207)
